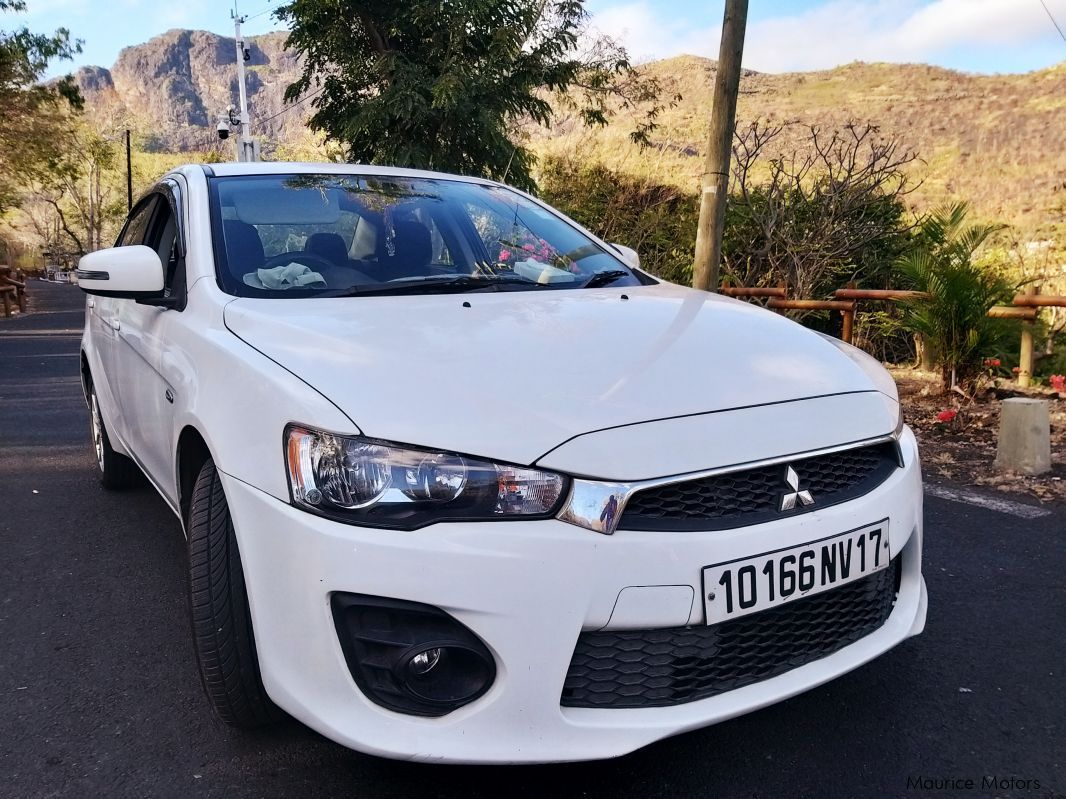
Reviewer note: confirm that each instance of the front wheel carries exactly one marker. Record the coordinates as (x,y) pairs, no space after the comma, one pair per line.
(116,471)
(218,605)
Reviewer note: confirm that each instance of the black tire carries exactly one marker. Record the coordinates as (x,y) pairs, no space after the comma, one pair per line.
(218,606)
(117,472)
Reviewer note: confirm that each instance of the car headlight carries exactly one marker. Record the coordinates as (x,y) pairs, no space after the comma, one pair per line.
(878,374)
(378,484)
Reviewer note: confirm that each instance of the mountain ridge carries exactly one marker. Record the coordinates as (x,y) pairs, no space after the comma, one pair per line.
(992,139)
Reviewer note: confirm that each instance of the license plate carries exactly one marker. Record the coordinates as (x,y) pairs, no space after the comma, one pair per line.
(748,585)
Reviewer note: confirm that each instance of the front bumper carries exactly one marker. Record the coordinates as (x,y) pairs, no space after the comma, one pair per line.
(527,589)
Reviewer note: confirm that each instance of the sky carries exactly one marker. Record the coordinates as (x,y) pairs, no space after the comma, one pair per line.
(986,36)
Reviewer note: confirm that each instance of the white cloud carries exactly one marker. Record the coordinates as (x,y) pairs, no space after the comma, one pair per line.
(836,32)
(648,33)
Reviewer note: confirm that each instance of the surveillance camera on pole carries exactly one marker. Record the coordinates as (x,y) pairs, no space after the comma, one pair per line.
(247,147)
(223,128)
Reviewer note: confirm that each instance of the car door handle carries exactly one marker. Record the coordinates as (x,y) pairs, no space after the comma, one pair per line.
(115,324)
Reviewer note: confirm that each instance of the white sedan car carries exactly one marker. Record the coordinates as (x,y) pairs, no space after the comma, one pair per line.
(461,483)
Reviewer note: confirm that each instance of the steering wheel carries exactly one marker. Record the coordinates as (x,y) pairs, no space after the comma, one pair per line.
(308,259)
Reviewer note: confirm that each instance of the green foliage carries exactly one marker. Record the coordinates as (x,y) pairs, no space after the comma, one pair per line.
(953,319)
(33,113)
(883,334)
(657,220)
(446,85)
(826,211)
(1054,364)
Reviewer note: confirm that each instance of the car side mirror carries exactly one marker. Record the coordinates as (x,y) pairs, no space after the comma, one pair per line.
(133,273)
(629,255)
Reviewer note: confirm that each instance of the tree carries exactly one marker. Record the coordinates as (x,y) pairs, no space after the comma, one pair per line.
(447,85)
(815,208)
(33,113)
(953,316)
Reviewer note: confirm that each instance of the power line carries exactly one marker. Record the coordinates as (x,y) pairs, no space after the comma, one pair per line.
(266,10)
(1053,21)
(291,106)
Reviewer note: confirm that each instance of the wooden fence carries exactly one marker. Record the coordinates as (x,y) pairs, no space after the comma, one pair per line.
(846,300)
(12,289)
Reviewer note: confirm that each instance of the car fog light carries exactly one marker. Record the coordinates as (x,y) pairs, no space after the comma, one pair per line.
(424,662)
(454,674)
(410,657)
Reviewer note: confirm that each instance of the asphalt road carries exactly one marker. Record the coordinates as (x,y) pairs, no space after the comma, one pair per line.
(99,692)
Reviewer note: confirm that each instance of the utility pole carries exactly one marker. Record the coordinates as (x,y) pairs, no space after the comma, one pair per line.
(99,213)
(129,174)
(91,226)
(715,182)
(247,147)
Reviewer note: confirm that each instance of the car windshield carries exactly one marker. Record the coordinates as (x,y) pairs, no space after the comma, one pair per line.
(348,235)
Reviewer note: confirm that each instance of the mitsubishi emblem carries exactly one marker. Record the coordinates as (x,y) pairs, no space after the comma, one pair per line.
(788,501)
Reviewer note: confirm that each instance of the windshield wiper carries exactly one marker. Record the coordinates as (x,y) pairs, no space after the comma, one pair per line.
(601,279)
(434,284)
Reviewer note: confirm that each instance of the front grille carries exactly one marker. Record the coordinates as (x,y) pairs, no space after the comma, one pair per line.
(753,496)
(671,666)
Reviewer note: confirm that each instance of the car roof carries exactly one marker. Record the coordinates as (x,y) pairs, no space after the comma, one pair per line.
(233,168)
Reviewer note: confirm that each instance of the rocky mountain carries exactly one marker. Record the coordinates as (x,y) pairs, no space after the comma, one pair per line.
(174,87)
(996,140)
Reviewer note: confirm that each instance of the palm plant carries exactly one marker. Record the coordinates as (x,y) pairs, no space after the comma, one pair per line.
(952,315)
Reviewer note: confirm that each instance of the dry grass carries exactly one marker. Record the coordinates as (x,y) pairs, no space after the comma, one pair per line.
(995,141)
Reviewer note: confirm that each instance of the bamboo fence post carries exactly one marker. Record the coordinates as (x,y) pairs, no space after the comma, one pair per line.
(847,331)
(1025,358)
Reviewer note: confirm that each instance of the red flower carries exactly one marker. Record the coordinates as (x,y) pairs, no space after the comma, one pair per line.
(947,416)
(993,362)
(1058,382)
(1016,370)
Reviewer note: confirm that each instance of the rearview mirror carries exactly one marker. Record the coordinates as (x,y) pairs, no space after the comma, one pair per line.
(133,273)
(629,255)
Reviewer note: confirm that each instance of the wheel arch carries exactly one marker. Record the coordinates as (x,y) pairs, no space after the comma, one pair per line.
(86,375)
(192,453)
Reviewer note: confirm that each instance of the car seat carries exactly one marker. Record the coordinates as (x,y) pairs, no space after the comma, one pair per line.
(244,248)
(329,246)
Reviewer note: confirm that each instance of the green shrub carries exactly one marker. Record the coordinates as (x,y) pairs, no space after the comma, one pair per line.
(953,318)
(657,220)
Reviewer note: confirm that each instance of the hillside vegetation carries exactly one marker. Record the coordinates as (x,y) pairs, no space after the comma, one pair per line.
(995,141)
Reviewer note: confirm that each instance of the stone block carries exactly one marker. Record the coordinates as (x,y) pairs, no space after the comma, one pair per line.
(1024,436)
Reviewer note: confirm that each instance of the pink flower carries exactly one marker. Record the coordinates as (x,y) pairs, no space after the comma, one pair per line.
(527,247)
(947,416)
(505,255)
(1058,382)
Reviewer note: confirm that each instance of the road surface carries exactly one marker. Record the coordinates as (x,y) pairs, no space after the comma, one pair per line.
(100,696)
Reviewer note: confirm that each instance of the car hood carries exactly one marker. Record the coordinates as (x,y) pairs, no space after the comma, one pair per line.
(513,375)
